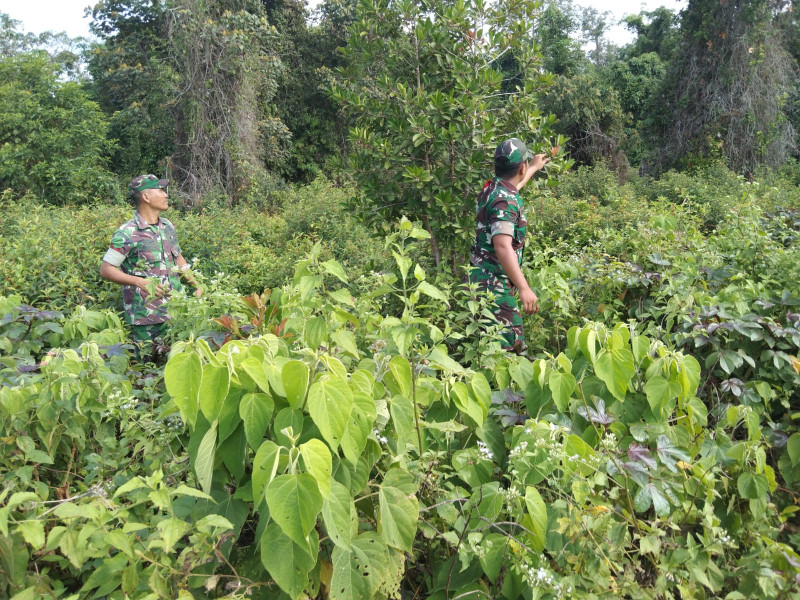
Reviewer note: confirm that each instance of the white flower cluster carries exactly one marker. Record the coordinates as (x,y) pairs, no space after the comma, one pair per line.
(485,451)
(101,490)
(381,438)
(511,495)
(609,440)
(174,422)
(519,450)
(538,577)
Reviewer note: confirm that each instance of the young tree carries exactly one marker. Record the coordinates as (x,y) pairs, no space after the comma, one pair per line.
(134,82)
(425,94)
(53,140)
(554,33)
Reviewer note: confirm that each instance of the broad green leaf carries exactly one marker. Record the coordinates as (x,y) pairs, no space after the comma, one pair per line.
(294,502)
(660,393)
(359,572)
(588,343)
(689,377)
(285,419)
(793,448)
(294,375)
(641,347)
(255,370)
(615,367)
(359,425)
(265,466)
(185,490)
(401,370)
(402,411)
(335,269)
(204,464)
(288,562)
(316,332)
(432,291)
(538,513)
(521,371)
(33,532)
(445,426)
(561,385)
(233,452)
(399,510)
(346,340)
(495,548)
(482,391)
(576,447)
(439,358)
(317,459)
(342,296)
(460,395)
(752,486)
(171,531)
(182,377)
(256,412)
(214,387)
(330,404)
(339,515)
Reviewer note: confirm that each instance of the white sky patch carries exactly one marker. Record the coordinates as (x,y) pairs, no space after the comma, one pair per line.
(619,34)
(38,16)
(67,15)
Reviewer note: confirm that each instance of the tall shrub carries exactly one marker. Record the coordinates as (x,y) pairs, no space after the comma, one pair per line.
(53,140)
(429,101)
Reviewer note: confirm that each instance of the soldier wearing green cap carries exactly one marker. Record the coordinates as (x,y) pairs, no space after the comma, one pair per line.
(496,256)
(146,259)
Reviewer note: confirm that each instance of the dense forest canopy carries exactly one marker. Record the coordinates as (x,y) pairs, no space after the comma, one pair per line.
(236,97)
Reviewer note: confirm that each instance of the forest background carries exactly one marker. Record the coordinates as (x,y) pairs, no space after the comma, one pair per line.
(339,395)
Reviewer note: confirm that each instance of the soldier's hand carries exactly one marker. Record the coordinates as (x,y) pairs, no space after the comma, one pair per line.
(149,286)
(539,161)
(529,301)
(198,292)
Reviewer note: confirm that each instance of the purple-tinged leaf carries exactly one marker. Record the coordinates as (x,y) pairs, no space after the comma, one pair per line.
(641,454)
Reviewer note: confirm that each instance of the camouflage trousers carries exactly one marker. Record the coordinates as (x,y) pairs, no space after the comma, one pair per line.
(505,309)
(148,339)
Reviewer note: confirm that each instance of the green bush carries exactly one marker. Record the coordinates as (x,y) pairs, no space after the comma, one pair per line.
(53,140)
(41,261)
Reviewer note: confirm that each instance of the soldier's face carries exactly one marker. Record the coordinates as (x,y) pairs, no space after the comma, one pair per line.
(157,198)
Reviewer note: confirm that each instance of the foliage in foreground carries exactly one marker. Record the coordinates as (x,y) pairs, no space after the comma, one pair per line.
(349,439)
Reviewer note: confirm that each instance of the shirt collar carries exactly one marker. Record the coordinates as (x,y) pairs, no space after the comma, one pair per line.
(510,187)
(142,224)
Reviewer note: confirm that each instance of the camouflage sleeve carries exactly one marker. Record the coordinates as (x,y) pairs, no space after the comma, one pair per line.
(502,216)
(121,245)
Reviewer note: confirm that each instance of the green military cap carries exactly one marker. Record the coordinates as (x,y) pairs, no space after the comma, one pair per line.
(147,182)
(511,152)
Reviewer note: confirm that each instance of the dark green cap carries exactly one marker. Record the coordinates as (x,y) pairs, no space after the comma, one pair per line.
(511,152)
(147,182)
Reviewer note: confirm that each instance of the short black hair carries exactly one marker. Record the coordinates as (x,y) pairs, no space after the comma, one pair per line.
(508,170)
(135,198)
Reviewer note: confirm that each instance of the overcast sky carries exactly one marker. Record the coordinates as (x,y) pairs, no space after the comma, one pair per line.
(67,15)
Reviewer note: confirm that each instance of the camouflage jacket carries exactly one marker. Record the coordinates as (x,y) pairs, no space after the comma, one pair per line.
(499,210)
(150,251)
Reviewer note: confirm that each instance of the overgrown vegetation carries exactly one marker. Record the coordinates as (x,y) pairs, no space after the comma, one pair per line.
(358,421)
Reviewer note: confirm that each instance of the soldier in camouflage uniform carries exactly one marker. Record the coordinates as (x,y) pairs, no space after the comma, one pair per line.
(146,259)
(500,239)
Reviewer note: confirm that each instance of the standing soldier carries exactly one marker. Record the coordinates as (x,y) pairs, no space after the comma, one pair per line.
(500,238)
(146,260)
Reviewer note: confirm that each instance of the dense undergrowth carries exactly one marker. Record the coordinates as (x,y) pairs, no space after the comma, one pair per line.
(349,433)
